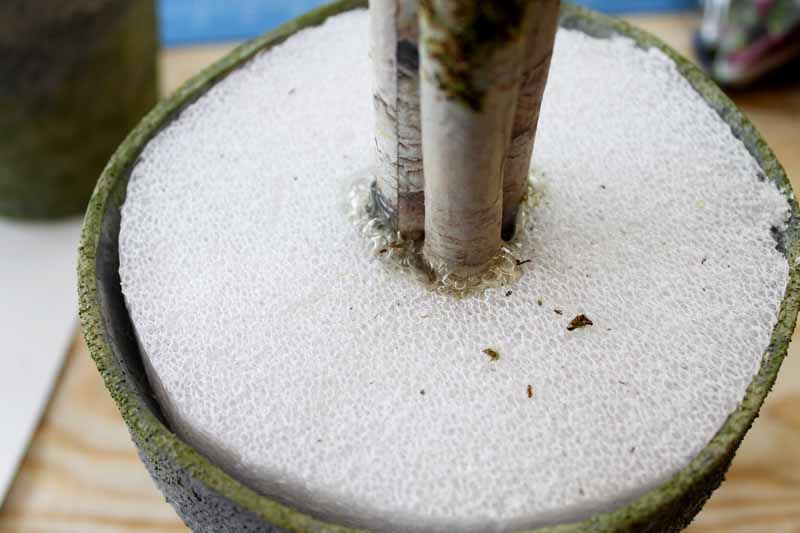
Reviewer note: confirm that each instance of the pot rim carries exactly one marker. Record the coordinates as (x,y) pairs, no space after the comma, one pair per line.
(154,437)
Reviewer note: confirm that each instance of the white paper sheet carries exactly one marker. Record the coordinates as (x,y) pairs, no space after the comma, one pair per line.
(38,317)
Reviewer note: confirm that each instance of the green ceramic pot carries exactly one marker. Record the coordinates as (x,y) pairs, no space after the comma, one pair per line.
(75,77)
(210,500)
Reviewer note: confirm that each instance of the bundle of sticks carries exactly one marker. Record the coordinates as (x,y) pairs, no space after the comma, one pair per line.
(458,89)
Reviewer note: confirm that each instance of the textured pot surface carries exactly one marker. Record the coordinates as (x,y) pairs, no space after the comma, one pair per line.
(74,79)
(210,500)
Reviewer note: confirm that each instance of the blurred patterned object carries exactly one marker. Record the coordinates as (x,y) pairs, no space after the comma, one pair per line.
(740,40)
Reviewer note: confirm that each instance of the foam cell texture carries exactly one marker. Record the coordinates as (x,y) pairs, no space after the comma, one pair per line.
(297,362)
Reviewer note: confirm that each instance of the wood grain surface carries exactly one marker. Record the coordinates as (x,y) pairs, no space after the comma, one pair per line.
(82,474)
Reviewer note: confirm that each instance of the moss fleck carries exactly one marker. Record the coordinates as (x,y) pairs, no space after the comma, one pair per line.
(579,321)
(493,354)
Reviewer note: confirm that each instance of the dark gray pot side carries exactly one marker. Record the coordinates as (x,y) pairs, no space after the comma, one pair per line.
(75,77)
(208,499)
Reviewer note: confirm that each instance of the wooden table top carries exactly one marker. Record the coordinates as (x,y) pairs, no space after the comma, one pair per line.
(82,474)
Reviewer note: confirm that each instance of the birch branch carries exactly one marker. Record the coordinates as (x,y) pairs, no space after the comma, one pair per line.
(541,30)
(399,180)
(471,63)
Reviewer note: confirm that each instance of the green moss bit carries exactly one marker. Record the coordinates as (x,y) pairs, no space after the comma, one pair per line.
(579,321)
(467,34)
(493,354)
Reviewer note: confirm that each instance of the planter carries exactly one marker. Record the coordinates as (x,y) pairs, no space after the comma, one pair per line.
(207,497)
(74,80)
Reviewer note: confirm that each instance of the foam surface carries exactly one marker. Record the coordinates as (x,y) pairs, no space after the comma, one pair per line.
(298,362)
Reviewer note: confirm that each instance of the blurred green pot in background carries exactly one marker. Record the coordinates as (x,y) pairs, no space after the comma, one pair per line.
(75,77)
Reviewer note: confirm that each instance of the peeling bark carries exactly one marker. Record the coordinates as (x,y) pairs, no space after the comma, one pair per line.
(398,144)
(471,64)
(541,29)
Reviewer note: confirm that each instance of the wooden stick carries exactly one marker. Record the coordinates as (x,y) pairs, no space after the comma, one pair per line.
(471,63)
(398,169)
(541,32)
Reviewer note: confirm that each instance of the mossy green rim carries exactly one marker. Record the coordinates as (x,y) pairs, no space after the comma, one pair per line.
(666,508)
